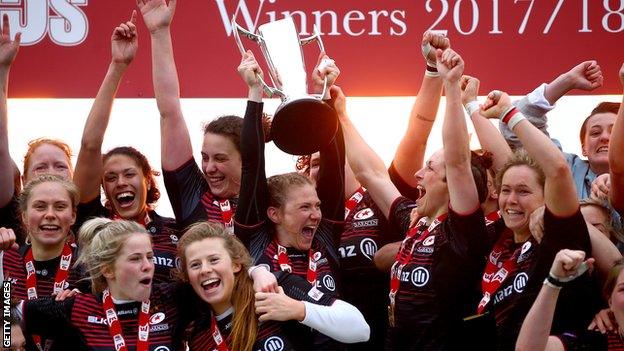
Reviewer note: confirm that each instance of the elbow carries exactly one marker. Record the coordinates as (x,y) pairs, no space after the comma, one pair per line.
(360,331)
(560,169)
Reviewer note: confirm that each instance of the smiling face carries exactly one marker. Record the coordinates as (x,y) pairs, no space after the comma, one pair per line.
(211,272)
(49,215)
(432,186)
(125,187)
(616,300)
(596,140)
(221,163)
(48,159)
(298,218)
(597,217)
(130,277)
(519,196)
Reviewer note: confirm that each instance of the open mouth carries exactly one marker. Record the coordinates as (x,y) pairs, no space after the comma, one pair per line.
(49,227)
(146,281)
(211,284)
(421,191)
(308,231)
(215,180)
(125,199)
(514,213)
(603,149)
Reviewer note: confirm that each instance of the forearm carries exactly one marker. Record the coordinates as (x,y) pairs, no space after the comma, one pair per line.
(603,251)
(331,321)
(386,256)
(409,156)
(6,165)
(558,88)
(491,140)
(536,326)
(616,161)
(330,185)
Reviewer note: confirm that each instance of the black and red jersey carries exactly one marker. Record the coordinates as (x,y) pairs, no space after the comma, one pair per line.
(164,232)
(191,198)
(438,284)
(84,315)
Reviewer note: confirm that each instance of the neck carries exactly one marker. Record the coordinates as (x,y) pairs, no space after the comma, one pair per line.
(599,168)
(521,236)
(221,308)
(282,237)
(48,252)
(437,214)
(116,293)
(489,206)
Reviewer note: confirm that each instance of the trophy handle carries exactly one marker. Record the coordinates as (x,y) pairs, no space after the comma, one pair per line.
(305,41)
(237,30)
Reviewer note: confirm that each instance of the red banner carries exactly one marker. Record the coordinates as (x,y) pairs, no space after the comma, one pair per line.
(509,45)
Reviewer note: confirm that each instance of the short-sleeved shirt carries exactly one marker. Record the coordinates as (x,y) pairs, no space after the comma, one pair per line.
(84,315)
(512,301)
(191,198)
(164,232)
(438,284)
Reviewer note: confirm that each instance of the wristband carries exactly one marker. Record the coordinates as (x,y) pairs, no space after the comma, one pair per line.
(515,119)
(550,284)
(431,71)
(511,117)
(253,268)
(582,268)
(472,107)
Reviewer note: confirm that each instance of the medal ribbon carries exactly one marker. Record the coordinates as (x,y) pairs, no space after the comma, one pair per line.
(227,215)
(216,336)
(496,272)
(284,262)
(114,326)
(59,282)
(354,200)
(402,259)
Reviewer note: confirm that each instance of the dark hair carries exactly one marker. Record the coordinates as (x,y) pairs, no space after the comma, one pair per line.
(153,194)
(280,184)
(227,126)
(520,158)
(479,165)
(603,107)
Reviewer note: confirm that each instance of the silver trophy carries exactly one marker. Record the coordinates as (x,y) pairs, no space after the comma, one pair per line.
(303,123)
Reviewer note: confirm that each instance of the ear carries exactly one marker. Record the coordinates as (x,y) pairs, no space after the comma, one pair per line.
(584,152)
(274,214)
(236,267)
(73,221)
(108,272)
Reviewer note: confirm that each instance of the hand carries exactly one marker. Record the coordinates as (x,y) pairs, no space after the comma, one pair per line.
(567,263)
(414,217)
(263,280)
(8,48)
(621,71)
(125,41)
(157,14)
(435,41)
(469,89)
(7,239)
(585,76)
(249,70)
(450,65)
(495,104)
(278,307)
(536,224)
(339,99)
(600,187)
(603,321)
(66,294)
(325,67)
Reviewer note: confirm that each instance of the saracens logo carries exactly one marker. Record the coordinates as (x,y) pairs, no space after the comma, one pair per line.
(429,241)
(157,318)
(420,277)
(365,213)
(274,343)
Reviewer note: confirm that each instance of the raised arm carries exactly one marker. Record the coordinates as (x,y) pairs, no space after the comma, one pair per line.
(8,52)
(88,175)
(535,331)
(410,153)
(489,137)
(175,142)
(462,190)
(367,166)
(616,161)
(559,189)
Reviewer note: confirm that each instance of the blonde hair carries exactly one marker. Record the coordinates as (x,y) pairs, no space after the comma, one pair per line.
(100,241)
(71,188)
(280,184)
(244,321)
(521,158)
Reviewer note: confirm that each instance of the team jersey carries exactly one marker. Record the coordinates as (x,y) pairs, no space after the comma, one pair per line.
(526,266)
(192,200)
(363,285)
(437,285)
(592,341)
(164,233)
(10,217)
(84,315)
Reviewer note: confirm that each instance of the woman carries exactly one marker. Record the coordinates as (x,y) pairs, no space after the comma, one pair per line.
(438,263)
(568,265)
(42,266)
(215,264)
(195,195)
(517,262)
(124,311)
(125,174)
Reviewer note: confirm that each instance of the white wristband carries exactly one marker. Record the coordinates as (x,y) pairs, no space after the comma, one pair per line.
(472,107)
(253,268)
(515,119)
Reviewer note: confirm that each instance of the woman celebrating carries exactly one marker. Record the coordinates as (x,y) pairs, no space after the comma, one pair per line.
(124,310)
(517,263)
(127,178)
(195,195)
(42,266)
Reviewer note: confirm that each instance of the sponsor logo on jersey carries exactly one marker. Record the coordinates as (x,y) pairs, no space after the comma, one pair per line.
(525,252)
(157,318)
(368,247)
(520,282)
(420,277)
(159,327)
(316,256)
(329,283)
(429,241)
(367,223)
(274,343)
(162,348)
(163,261)
(96,320)
(365,213)
(174,239)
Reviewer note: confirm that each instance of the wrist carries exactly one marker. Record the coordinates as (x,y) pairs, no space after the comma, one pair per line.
(299,309)
(512,116)
(119,65)
(553,283)
(431,71)
(255,93)
(250,271)
(160,31)
(472,107)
